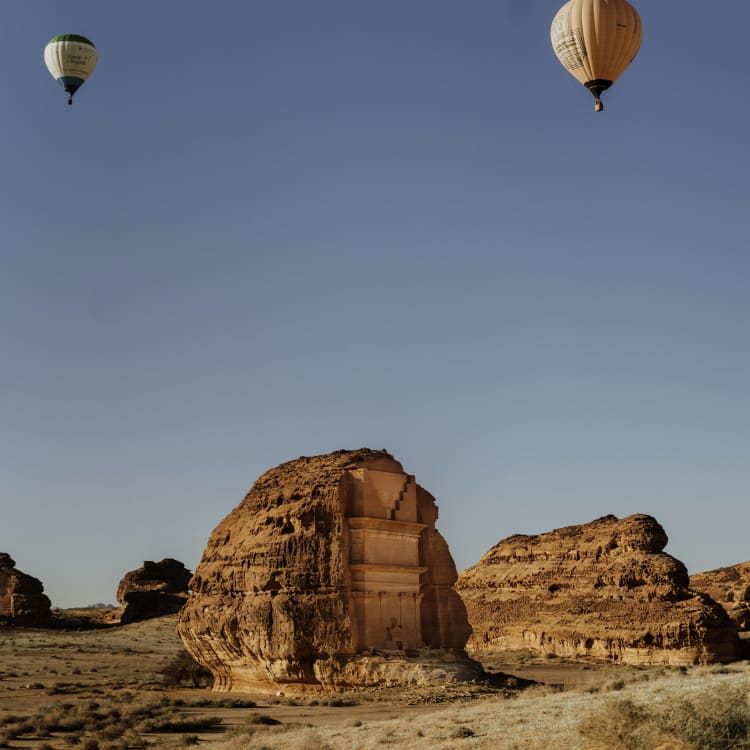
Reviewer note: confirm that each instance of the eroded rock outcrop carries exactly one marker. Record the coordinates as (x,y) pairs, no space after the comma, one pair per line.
(603,589)
(155,589)
(731,588)
(22,598)
(330,572)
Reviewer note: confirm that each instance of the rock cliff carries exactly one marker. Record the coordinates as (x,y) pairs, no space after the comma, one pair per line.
(22,599)
(731,588)
(604,589)
(330,572)
(155,589)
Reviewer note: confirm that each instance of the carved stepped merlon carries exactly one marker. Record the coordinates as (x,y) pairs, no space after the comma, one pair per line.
(409,486)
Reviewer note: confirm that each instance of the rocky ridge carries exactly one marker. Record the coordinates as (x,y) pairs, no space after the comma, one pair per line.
(22,598)
(603,589)
(730,587)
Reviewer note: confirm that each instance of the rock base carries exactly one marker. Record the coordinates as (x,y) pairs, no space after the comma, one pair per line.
(380,669)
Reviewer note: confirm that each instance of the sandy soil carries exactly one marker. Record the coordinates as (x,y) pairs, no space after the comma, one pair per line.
(43,671)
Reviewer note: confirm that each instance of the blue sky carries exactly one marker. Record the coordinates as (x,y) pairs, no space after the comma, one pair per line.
(273,229)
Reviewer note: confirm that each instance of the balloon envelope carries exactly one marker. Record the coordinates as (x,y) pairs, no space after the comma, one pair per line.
(70,59)
(596,40)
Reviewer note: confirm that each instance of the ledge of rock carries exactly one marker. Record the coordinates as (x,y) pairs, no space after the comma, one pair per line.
(329,573)
(155,589)
(603,589)
(22,598)
(731,588)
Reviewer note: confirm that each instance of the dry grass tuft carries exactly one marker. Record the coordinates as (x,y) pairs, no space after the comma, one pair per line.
(108,724)
(716,719)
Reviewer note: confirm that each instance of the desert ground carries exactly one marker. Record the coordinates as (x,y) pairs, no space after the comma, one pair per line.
(122,687)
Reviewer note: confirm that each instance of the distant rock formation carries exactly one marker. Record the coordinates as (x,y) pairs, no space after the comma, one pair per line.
(156,589)
(731,588)
(603,589)
(22,599)
(330,572)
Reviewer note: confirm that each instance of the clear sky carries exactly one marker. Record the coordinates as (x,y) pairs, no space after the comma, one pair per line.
(280,228)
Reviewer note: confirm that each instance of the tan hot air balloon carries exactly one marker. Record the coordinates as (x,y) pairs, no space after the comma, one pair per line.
(596,40)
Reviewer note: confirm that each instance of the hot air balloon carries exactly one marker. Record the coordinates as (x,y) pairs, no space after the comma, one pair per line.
(596,40)
(70,59)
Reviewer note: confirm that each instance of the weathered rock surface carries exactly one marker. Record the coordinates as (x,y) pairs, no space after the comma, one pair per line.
(731,588)
(604,589)
(330,572)
(22,598)
(155,589)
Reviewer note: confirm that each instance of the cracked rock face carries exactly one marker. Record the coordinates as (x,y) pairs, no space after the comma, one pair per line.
(22,598)
(604,589)
(155,589)
(330,572)
(730,587)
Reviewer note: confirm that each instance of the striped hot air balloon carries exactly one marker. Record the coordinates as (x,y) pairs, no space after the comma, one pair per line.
(70,59)
(596,40)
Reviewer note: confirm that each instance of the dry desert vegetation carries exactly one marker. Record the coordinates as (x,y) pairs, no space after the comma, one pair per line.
(132,686)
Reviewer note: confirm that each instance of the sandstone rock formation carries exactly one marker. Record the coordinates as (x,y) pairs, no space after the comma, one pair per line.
(330,572)
(731,588)
(603,589)
(22,599)
(156,589)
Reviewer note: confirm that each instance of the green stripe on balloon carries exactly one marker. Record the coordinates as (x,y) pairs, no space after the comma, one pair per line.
(71,38)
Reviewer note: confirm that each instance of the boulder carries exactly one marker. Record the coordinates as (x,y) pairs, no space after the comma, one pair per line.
(329,573)
(731,588)
(22,598)
(155,589)
(603,589)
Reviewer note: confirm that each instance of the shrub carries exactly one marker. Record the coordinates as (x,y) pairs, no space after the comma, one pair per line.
(462,733)
(712,720)
(309,740)
(618,725)
(256,718)
(719,720)
(10,719)
(236,703)
(170,723)
(616,685)
(183,669)
(131,738)
(339,702)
